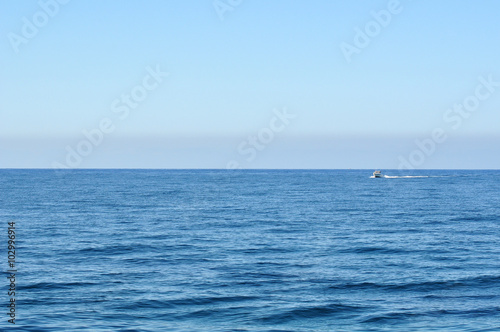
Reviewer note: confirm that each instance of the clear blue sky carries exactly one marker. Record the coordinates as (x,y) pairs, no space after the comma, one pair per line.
(231,66)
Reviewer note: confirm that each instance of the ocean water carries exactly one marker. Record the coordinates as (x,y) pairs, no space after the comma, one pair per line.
(277,250)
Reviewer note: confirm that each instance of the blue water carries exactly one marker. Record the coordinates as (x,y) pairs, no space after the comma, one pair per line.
(205,250)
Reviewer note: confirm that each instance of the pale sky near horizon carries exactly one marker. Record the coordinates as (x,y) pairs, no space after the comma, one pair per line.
(250,84)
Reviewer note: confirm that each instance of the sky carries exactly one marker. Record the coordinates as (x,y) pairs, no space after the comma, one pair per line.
(250,84)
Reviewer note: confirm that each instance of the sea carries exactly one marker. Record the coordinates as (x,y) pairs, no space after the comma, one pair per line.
(252,250)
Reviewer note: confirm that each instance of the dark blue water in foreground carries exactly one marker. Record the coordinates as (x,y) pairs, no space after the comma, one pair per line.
(148,250)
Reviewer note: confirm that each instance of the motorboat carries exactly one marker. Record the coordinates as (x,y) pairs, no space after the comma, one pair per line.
(377,174)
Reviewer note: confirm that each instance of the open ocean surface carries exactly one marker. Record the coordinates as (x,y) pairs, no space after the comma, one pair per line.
(253,250)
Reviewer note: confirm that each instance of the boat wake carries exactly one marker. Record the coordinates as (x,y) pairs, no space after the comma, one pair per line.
(402,177)
(406,176)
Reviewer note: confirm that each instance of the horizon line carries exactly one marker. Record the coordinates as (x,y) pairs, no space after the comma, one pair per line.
(248,169)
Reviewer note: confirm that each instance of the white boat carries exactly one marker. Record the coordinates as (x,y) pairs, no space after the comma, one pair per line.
(377,174)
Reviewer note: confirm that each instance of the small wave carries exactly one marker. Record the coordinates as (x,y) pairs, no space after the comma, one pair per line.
(390,317)
(188,302)
(312,312)
(375,250)
(211,300)
(155,194)
(481,281)
(266,250)
(477,218)
(480,312)
(56,285)
(114,249)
